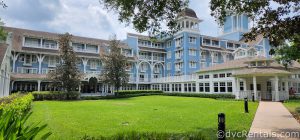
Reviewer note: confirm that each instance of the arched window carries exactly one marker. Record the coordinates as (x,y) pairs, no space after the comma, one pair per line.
(187,24)
(192,25)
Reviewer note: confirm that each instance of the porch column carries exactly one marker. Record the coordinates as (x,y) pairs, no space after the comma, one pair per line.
(276,88)
(170,88)
(182,87)
(39,85)
(212,58)
(234,88)
(84,62)
(255,87)
(245,84)
(197,87)
(286,84)
(160,86)
(238,87)
(40,59)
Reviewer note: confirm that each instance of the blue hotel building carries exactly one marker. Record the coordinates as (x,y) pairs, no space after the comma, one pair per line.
(168,63)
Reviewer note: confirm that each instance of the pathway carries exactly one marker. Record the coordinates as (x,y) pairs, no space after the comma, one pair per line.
(273,119)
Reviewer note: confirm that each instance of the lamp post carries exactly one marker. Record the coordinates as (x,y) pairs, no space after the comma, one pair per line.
(221,126)
(246,105)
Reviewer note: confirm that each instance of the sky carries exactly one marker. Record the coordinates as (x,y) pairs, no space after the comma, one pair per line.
(85,18)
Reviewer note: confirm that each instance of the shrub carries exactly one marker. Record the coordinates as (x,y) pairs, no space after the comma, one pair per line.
(150,136)
(125,92)
(12,127)
(55,95)
(203,95)
(200,95)
(18,103)
(14,112)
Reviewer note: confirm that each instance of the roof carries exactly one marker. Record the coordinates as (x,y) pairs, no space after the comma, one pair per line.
(188,12)
(242,66)
(3,48)
(253,42)
(19,33)
(261,71)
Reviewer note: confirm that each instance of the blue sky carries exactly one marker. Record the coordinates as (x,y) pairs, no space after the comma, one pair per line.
(83,17)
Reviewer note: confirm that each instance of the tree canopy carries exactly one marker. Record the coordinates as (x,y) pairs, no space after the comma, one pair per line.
(147,15)
(277,20)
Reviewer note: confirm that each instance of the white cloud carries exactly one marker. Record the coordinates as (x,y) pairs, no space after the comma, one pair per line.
(82,17)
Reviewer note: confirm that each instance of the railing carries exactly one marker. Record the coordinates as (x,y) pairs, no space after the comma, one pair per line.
(245,94)
(182,78)
(93,72)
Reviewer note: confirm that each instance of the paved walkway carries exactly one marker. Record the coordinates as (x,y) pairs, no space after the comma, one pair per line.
(273,119)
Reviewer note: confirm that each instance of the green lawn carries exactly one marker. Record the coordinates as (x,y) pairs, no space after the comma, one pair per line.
(74,119)
(293,106)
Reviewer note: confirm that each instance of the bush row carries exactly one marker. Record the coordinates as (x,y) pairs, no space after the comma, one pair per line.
(149,136)
(200,95)
(126,92)
(18,103)
(55,95)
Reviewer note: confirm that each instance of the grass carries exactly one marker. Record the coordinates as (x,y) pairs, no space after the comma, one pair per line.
(294,107)
(163,114)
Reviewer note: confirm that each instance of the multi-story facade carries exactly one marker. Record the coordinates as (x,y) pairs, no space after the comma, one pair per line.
(168,63)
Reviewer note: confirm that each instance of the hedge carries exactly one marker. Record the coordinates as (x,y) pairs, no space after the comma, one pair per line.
(149,136)
(199,95)
(55,95)
(125,92)
(18,103)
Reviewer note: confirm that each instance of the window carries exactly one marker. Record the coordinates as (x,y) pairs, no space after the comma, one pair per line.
(207,88)
(192,52)
(193,64)
(169,55)
(32,42)
(169,44)
(201,87)
(203,64)
(237,45)
(222,87)
(53,61)
(215,43)
(78,47)
(168,66)
(229,86)
(203,55)
(144,68)
(229,74)
(49,44)
(93,64)
(215,75)
(206,76)
(192,40)
(206,42)
(216,87)
(201,77)
(28,59)
(230,45)
(193,87)
(222,75)
(241,86)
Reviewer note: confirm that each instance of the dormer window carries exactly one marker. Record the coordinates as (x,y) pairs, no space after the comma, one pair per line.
(230,45)
(206,41)
(215,43)
(237,45)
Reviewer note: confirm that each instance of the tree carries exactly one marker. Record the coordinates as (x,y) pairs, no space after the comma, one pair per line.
(3,34)
(288,52)
(114,66)
(277,20)
(66,75)
(147,15)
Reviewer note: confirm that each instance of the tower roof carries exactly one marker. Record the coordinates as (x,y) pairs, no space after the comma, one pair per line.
(188,12)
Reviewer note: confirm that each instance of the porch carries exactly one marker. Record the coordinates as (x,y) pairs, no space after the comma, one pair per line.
(262,87)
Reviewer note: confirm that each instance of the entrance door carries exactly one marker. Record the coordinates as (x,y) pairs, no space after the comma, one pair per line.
(269,91)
